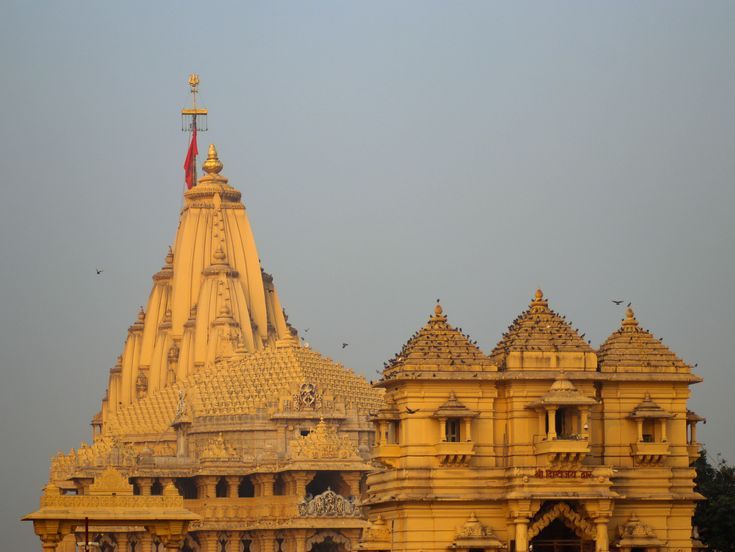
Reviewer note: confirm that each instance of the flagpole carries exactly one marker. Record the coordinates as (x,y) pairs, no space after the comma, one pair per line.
(191,119)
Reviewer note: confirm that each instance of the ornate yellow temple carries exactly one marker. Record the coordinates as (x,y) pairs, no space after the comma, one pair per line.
(545,445)
(217,404)
(222,431)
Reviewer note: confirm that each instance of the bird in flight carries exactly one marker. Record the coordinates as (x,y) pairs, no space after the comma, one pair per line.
(618,302)
(412,411)
(306,330)
(344,345)
(99,270)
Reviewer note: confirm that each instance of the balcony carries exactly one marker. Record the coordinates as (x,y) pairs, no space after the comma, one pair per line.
(387,454)
(568,451)
(454,453)
(649,453)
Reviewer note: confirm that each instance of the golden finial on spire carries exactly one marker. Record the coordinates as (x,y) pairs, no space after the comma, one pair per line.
(538,300)
(212,165)
(194,82)
(630,323)
(438,309)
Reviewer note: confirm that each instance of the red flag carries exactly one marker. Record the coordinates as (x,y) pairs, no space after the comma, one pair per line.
(189,166)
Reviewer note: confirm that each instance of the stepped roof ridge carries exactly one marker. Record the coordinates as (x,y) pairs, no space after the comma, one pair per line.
(632,348)
(439,346)
(539,328)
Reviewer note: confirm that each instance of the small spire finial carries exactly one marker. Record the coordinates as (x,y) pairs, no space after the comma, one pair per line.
(141,315)
(212,165)
(438,309)
(538,299)
(630,323)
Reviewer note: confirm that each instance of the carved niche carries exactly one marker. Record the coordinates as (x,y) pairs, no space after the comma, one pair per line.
(324,442)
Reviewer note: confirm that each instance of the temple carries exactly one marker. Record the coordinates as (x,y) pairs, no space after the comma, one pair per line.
(217,403)
(222,431)
(544,444)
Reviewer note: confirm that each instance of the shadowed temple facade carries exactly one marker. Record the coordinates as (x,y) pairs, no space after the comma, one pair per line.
(222,431)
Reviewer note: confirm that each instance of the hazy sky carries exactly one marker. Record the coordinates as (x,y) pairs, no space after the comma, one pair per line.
(389,153)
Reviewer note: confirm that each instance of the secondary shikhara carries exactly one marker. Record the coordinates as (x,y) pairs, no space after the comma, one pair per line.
(221,431)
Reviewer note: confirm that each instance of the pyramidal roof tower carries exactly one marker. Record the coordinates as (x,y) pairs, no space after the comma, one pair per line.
(210,298)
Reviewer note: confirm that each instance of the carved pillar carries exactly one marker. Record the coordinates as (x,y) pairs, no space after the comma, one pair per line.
(123,542)
(50,533)
(693,433)
(352,479)
(521,534)
(144,484)
(264,484)
(639,422)
(442,430)
(49,544)
(664,424)
(267,541)
(602,543)
(383,433)
(300,540)
(82,485)
(233,540)
(301,480)
(208,541)
(551,413)
(206,486)
(468,429)
(146,542)
(233,483)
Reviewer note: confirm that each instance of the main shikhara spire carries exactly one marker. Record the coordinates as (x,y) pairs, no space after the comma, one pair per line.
(210,299)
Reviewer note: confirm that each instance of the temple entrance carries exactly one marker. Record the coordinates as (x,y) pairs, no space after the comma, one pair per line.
(557,537)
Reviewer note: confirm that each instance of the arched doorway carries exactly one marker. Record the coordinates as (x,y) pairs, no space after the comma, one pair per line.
(328,541)
(557,537)
(561,528)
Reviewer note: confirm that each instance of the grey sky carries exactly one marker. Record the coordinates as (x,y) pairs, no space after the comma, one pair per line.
(389,153)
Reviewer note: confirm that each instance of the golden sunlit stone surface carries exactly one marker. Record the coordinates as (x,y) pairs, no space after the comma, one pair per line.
(218,422)
(542,445)
(222,432)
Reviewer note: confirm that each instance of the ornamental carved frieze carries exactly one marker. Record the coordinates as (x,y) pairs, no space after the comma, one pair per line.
(324,442)
(329,504)
(217,449)
(575,521)
(376,536)
(308,397)
(105,451)
(474,534)
(637,534)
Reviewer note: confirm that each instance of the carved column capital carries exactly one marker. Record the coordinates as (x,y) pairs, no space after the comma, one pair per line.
(144,484)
